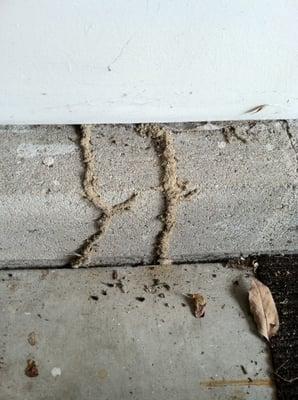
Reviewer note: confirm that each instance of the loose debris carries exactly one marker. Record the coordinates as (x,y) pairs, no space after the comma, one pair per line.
(31,369)
(32,338)
(199,305)
(90,185)
(119,282)
(263,309)
(238,263)
(174,190)
(141,299)
(120,285)
(156,286)
(108,284)
(256,109)
(148,289)
(243,369)
(243,263)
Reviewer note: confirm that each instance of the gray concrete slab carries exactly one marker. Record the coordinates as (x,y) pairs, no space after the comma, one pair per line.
(245,202)
(114,346)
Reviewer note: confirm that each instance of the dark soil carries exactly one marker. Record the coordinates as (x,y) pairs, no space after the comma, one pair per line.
(280,274)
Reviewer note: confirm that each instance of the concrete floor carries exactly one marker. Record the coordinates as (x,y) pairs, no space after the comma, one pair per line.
(92,341)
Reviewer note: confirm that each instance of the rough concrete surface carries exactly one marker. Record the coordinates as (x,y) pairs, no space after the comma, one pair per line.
(92,341)
(245,176)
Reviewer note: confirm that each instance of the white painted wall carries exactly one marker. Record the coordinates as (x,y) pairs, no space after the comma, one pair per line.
(73,61)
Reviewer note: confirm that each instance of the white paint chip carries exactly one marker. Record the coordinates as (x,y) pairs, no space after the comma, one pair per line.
(56,371)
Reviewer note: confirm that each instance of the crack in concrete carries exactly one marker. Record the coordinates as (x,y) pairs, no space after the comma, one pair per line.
(229,132)
(174,189)
(90,185)
(292,141)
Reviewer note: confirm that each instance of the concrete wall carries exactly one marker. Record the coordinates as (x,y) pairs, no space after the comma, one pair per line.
(245,202)
(140,60)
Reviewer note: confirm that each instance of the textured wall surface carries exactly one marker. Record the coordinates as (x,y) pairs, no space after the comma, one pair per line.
(245,175)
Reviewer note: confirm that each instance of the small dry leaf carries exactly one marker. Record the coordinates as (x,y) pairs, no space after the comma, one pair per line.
(32,338)
(31,369)
(199,305)
(263,309)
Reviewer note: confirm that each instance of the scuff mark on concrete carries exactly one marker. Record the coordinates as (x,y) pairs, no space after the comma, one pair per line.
(90,185)
(174,190)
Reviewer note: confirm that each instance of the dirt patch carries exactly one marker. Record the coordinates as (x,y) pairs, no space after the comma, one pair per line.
(280,274)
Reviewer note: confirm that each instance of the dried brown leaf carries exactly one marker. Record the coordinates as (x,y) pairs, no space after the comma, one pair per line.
(263,309)
(31,369)
(199,305)
(32,338)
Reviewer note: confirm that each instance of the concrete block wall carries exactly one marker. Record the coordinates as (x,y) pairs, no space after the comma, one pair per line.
(245,174)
